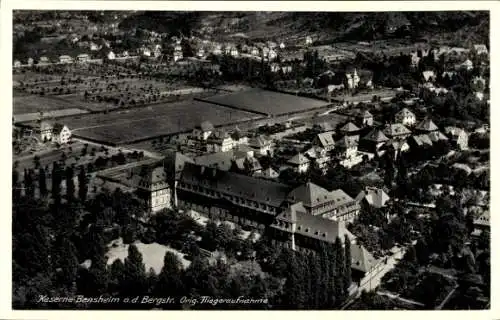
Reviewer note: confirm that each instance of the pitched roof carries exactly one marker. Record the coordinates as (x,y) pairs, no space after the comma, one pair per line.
(437,136)
(174,163)
(221,160)
(349,127)
(422,139)
(325,139)
(270,172)
(312,226)
(376,136)
(367,114)
(405,112)
(259,141)
(147,176)
(396,129)
(310,195)
(426,125)
(235,184)
(361,259)
(376,197)
(298,159)
(206,126)
(57,128)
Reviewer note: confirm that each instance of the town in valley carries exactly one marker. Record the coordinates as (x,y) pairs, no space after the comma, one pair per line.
(251,160)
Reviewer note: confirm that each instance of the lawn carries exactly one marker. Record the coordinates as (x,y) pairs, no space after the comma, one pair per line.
(148,122)
(152,254)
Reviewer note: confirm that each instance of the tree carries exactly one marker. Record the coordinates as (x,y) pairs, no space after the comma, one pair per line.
(134,280)
(170,279)
(70,184)
(42,182)
(347,256)
(56,183)
(16,188)
(339,272)
(82,184)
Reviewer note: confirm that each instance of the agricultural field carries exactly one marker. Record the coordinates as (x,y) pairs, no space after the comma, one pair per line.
(142,123)
(29,104)
(266,102)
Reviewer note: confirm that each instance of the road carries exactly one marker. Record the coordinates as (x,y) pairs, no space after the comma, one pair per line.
(124,148)
(397,297)
(391,263)
(441,305)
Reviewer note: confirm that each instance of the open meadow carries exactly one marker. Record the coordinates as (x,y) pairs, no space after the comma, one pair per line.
(163,119)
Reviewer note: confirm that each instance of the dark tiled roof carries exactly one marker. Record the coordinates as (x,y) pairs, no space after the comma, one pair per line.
(57,128)
(376,136)
(362,260)
(239,185)
(310,195)
(298,159)
(396,129)
(174,163)
(349,127)
(312,226)
(427,125)
(258,142)
(325,139)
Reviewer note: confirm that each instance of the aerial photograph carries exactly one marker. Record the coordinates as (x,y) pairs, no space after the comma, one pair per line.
(251,160)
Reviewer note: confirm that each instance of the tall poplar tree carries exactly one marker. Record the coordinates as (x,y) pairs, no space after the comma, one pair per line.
(82,184)
(70,184)
(340,271)
(42,182)
(348,259)
(134,281)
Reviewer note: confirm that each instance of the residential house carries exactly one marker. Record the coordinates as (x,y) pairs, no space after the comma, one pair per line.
(17,64)
(300,163)
(272,54)
(482,223)
(275,67)
(480,49)
(65,59)
(217,50)
(324,140)
(320,156)
(479,83)
(234,51)
(396,131)
(366,118)
(309,41)
(397,147)
(375,197)
(282,45)
(406,117)
(261,144)
(201,53)
(270,173)
(420,141)
(349,129)
(449,74)
(429,76)
(43,60)
(239,137)
(254,51)
(43,130)
(178,53)
(426,126)
(61,134)
(83,58)
(415,59)
(467,65)
(373,141)
(347,150)
(111,55)
(286,69)
(203,131)
(30,61)
(95,47)
(219,141)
